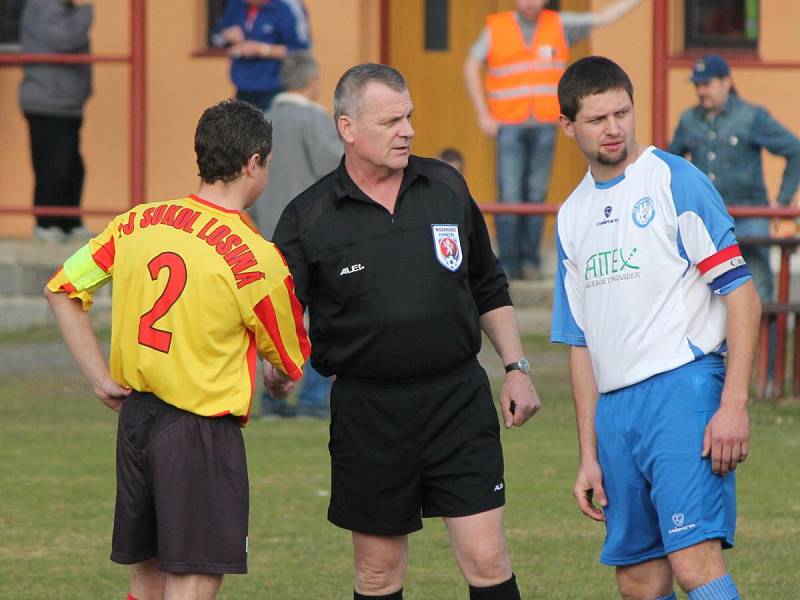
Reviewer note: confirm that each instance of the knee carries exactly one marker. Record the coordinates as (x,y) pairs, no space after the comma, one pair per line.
(695,566)
(485,564)
(381,576)
(644,582)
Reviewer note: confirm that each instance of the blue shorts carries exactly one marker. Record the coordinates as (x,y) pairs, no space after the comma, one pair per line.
(662,496)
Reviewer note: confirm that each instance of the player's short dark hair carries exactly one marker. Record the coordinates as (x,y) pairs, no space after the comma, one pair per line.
(227,135)
(347,96)
(587,77)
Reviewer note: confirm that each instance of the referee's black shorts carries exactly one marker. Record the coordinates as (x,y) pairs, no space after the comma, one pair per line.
(182,489)
(400,452)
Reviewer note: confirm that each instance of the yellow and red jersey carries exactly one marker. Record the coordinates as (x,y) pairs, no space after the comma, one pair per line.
(197,294)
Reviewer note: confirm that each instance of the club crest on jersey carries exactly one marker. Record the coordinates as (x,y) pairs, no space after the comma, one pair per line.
(644,212)
(607,211)
(447,246)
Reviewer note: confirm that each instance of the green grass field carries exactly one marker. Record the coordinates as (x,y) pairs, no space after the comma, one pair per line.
(57,497)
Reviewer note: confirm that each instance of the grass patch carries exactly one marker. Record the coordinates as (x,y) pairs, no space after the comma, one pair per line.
(57,494)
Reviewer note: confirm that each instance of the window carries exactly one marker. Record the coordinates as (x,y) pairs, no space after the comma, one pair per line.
(10,14)
(216,8)
(722,24)
(437,25)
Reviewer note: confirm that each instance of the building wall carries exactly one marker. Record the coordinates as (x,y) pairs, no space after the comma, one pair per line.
(179,87)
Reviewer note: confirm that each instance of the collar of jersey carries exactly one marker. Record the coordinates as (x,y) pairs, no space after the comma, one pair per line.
(204,202)
(604,185)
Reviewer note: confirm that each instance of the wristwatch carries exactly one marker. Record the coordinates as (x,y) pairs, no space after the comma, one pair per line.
(521,365)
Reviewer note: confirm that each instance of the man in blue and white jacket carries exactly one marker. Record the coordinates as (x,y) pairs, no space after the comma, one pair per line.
(651,294)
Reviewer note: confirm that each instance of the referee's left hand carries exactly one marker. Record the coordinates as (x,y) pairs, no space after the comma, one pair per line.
(518,399)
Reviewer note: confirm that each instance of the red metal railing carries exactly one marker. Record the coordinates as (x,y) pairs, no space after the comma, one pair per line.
(136,60)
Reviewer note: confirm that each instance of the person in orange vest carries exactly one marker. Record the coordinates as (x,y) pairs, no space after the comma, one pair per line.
(525,52)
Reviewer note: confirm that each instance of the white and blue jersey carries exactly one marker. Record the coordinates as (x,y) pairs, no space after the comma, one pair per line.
(642,262)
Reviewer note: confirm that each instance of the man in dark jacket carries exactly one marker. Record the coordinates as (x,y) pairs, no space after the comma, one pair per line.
(52,97)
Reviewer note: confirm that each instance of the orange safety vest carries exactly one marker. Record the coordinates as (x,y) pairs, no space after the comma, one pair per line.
(522,80)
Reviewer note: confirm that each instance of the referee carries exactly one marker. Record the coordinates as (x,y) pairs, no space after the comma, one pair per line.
(197,293)
(392,257)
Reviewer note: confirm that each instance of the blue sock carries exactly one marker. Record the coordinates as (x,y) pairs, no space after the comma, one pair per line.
(672,596)
(720,589)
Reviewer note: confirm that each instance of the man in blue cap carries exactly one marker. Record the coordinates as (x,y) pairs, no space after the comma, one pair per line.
(723,136)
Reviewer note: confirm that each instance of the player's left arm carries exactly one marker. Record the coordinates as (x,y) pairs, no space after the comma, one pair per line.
(76,328)
(500,324)
(727,435)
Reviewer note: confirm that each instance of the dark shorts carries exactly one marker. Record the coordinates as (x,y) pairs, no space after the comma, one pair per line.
(182,489)
(402,452)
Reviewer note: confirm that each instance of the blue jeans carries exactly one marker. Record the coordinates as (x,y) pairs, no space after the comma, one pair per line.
(524,162)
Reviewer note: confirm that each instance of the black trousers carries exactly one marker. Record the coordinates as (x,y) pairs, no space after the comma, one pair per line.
(57,165)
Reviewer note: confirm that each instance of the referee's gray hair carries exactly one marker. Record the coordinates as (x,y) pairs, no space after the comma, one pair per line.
(298,69)
(347,97)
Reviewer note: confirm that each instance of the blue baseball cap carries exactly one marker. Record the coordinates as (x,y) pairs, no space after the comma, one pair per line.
(708,67)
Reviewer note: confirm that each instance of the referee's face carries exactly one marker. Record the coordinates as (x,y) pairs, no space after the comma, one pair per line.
(380,134)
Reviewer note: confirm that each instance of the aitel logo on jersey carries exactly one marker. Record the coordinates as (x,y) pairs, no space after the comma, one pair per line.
(447,246)
(610,266)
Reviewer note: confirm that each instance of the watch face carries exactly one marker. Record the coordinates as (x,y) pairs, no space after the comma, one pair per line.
(524,365)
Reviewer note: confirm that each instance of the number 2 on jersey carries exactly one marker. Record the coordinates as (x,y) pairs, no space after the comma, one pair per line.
(149,336)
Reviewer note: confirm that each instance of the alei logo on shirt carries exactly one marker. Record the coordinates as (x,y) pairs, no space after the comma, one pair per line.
(609,266)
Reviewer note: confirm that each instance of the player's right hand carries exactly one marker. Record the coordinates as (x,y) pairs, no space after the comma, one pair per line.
(588,488)
(278,385)
(111,393)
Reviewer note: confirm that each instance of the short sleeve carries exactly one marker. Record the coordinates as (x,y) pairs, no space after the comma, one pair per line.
(705,229)
(88,269)
(567,295)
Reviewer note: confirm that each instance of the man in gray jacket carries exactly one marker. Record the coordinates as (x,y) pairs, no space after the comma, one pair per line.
(305,148)
(52,97)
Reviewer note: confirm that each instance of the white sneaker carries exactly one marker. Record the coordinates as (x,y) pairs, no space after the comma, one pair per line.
(80,233)
(49,234)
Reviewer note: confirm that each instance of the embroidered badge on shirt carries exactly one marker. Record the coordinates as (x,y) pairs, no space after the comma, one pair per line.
(447,246)
(643,212)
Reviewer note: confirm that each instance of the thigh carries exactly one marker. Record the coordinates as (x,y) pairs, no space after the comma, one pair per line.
(374,449)
(632,529)
(462,458)
(693,503)
(200,488)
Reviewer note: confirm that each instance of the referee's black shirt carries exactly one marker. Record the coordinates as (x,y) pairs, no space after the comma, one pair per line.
(382,306)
